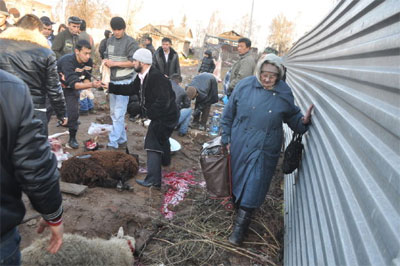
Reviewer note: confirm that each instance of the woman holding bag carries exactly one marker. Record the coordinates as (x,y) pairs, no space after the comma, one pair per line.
(252,132)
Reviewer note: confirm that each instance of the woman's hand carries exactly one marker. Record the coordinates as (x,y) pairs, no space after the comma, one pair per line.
(307,117)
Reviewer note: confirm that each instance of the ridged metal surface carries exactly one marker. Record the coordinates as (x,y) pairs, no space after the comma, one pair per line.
(343,206)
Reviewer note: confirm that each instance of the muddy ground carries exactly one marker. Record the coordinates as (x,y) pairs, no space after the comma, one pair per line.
(196,235)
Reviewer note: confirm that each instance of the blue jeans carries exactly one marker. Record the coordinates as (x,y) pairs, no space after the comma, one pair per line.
(9,248)
(184,120)
(118,106)
(86,104)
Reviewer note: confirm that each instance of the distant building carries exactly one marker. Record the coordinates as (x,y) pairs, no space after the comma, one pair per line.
(19,8)
(180,37)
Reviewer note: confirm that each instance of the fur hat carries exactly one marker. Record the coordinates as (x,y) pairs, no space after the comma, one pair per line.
(74,20)
(191,92)
(3,8)
(143,55)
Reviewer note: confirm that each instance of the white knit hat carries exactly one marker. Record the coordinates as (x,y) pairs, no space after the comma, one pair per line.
(143,55)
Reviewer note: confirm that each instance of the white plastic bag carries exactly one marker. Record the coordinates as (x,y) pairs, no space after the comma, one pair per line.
(99,129)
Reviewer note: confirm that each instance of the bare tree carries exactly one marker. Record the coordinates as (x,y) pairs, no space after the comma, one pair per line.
(243,25)
(215,25)
(281,34)
(96,13)
(131,15)
(184,21)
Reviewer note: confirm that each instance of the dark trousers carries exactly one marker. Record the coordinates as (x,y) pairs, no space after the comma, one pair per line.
(154,167)
(9,248)
(202,111)
(72,102)
(42,117)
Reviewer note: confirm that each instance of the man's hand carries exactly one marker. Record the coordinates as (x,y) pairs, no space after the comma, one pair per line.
(228,147)
(110,63)
(96,84)
(56,235)
(307,117)
(64,122)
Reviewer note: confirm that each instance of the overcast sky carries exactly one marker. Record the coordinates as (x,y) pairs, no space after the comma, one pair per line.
(304,13)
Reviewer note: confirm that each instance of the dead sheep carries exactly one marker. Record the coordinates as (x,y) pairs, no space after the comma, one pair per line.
(100,168)
(78,250)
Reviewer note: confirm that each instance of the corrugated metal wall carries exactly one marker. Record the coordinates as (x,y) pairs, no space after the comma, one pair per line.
(343,205)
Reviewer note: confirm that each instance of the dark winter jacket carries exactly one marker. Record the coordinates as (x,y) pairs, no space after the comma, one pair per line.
(27,163)
(26,54)
(207,88)
(64,43)
(182,100)
(151,48)
(207,65)
(158,104)
(73,72)
(169,68)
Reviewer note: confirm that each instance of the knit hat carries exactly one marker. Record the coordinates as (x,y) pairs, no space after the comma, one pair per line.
(143,55)
(191,92)
(3,8)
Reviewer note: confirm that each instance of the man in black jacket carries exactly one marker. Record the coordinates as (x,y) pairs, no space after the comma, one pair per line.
(75,70)
(157,101)
(26,54)
(166,60)
(207,94)
(28,165)
(149,44)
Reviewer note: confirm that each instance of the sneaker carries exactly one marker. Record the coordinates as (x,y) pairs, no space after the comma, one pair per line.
(92,111)
(202,128)
(133,119)
(181,134)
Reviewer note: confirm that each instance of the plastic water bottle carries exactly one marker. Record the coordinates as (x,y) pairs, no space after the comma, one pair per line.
(214,130)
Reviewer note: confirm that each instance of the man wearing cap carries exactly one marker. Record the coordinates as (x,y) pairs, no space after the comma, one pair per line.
(65,41)
(3,16)
(157,100)
(206,87)
(47,29)
(118,57)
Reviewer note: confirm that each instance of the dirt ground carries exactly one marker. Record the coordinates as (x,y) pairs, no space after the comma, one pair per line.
(196,235)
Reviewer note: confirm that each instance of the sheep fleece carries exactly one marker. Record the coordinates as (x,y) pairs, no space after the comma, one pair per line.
(102,169)
(78,250)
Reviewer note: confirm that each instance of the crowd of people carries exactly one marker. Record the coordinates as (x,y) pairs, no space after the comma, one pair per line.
(42,74)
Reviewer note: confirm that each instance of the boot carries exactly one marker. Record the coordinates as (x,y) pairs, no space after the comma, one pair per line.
(242,223)
(72,143)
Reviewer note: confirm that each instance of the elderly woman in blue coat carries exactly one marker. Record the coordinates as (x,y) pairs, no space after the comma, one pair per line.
(252,132)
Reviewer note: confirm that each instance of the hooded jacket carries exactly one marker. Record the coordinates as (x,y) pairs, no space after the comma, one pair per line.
(27,163)
(207,64)
(26,54)
(167,68)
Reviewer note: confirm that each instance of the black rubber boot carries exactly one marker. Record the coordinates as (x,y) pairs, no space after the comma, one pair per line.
(242,223)
(72,143)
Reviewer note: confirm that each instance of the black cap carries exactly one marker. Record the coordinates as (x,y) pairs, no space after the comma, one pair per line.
(46,20)
(74,20)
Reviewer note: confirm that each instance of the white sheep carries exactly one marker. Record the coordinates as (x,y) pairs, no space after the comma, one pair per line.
(78,250)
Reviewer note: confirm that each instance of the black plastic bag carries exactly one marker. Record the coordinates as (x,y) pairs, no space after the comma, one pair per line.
(292,155)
